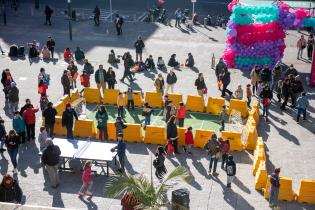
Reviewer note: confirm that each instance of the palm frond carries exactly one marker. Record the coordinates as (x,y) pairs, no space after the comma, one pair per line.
(178,173)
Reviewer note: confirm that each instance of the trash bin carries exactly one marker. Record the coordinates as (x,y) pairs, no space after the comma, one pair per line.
(180,199)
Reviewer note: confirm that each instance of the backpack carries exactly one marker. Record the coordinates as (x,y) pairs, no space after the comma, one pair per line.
(13,51)
(121,20)
(21,51)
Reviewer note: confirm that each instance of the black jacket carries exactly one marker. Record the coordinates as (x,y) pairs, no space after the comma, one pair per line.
(200,84)
(33,53)
(11,194)
(275,180)
(67,118)
(3,133)
(230,168)
(13,139)
(50,114)
(51,155)
(171,130)
(50,44)
(139,45)
(111,77)
(266,94)
(226,78)
(266,75)
(13,94)
(172,62)
(171,79)
(65,81)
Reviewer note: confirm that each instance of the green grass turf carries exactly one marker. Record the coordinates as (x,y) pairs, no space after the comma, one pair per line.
(194,119)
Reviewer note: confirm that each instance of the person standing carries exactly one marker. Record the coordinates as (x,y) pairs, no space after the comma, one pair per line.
(276,76)
(239,92)
(189,140)
(18,125)
(97,13)
(118,23)
(139,45)
(171,133)
(27,102)
(181,114)
(48,13)
(3,134)
(255,78)
(230,170)
(212,147)
(120,105)
(49,115)
(73,69)
(10,191)
(226,79)
(200,84)
(101,116)
(158,163)
(51,46)
(128,63)
(67,120)
(50,158)
(121,152)
(119,126)
(222,117)
(285,93)
(274,189)
(219,68)
(310,46)
(87,180)
(146,112)
(178,16)
(171,80)
(130,99)
(88,67)
(12,143)
(225,148)
(30,119)
(13,96)
(159,84)
(266,96)
(291,70)
(302,104)
(249,94)
(100,79)
(111,78)
(65,81)
(301,44)
(266,75)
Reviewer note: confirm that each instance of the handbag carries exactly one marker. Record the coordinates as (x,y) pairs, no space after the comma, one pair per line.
(266,102)
(205,90)
(170,148)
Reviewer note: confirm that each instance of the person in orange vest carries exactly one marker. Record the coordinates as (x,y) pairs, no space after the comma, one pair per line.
(42,87)
(181,114)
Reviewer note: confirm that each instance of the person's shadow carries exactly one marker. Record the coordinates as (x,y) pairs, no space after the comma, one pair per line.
(89,203)
(4,164)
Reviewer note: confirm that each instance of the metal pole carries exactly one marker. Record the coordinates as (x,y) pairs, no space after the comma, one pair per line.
(111,11)
(69,14)
(4,13)
(193,11)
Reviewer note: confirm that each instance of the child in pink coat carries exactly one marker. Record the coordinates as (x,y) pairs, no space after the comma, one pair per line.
(87,180)
(189,140)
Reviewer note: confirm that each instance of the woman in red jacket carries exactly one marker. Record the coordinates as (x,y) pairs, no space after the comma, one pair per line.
(189,140)
(30,119)
(67,55)
(181,114)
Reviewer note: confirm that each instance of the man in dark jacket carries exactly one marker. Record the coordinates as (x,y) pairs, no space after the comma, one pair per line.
(274,189)
(219,68)
(10,190)
(286,90)
(190,62)
(291,70)
(51,46)
(50,114)
(97,13)
(171,132)
(13,96)
(100,78)
(213,149)
(50,158)
(121,151)
(27,102)
(230,170)
(226,79)
(67,120)
(65,82)
(128,63)
(48,13)
(118,23)
(266,75)
(266,96)
(139,45)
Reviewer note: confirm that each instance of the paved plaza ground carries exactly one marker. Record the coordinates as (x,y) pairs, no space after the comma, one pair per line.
(289,145)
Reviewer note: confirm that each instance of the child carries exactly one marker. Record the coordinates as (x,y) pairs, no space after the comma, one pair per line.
(120,105)
(260,88)
(160,63)
(85,79)
(42,137)
(19,126)
(130,101)
(147,111)
(3,134)
(42,87)
(181,114)
(43,102)
(189,140)
(119,125)
(222,117)
(230,170)
(248,94)
(87,180)
(239,92)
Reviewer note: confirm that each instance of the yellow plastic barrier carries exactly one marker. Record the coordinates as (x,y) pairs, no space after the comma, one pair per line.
(65,99)
(74,95)
(110,96)
(306,191)
(133,133)
(111,131)
(84,128)
(261,176)
(266,190)
(251,137)
(214,105)
(259,146)
(154,99)
(155,135)
(239,105)
(260,156)
(286,192)
(202,137)
(254,114)
(137,97)
(181,136)
(92,95)
(58,129)
(235,139)
(251,121)
(60,107)
(195,103)
(175,98)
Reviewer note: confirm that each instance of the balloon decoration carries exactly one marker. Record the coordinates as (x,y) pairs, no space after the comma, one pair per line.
(255,34)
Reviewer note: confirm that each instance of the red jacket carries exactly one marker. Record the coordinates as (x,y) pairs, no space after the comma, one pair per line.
(29,115)
(85,80)
(225,147)
(67,54)
(189,139)
(181,113)
(86,176)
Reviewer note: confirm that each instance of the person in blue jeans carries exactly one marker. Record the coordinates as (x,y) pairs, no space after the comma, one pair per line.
(274,189)
(12,143)
(146,112)
(266,96)
(121,152)
(178,16)
(301,105)
(3,133)
(213,149)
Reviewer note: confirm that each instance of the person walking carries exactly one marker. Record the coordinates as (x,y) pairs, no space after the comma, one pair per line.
(120,105)
(13,96)
(200,84)
(310,46)
(301,44)
(18,125)
(100,79)
(158,163)
(230,170)
(255,78)
(266,96)
(48,13)
(10,191)
(67,120)
(118,24)
(87,180)
(111,78)
(226,79)
(65,81)
(189,140)
(3,134)
(266,75)
(128,63)
(159,84)
(225,150)
(274,189)
(178,16)
(213,149)
(171,80)
(285,93)
(121,152)
(49,115)
(276,76)
(102,117)
(12,143)
(171,133)
(139,45)
(301,105)
(43,76)
(30,119)
(97,13)
(219,68)
(51,46)
(50,158)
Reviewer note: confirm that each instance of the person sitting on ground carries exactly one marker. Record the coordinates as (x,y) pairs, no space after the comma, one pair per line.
(160,63)
(45,53)
(67,54)
(172,62)
(190,62)
(79,54)
(33,52)
(10,190)
(149,63)
(112,58)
